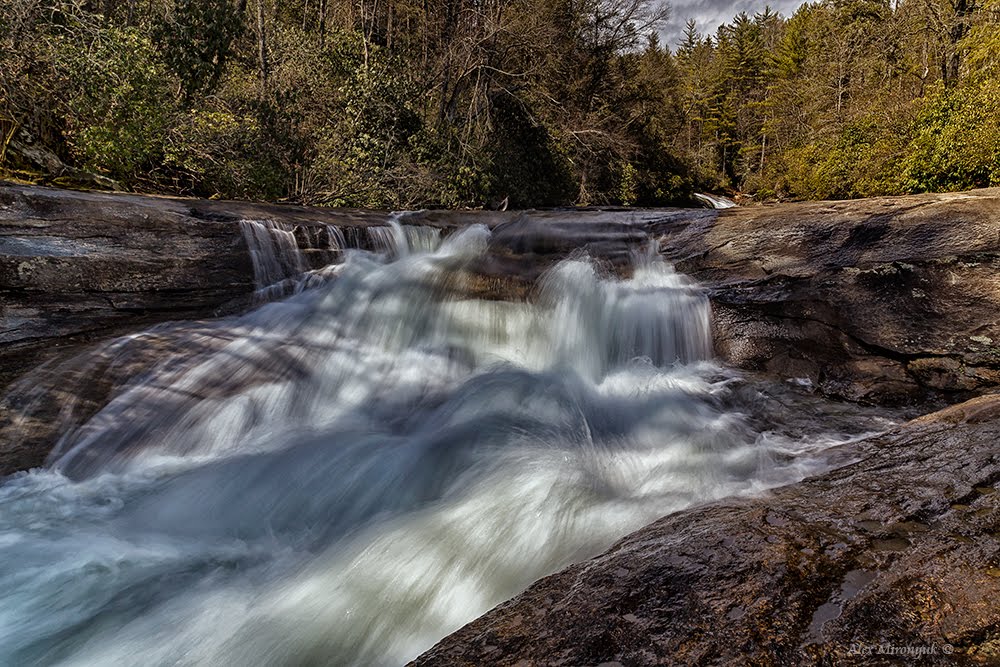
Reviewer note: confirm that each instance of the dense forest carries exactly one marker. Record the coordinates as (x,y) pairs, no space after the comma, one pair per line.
(408,103)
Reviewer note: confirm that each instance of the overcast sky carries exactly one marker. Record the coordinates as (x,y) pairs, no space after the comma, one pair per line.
(710,14)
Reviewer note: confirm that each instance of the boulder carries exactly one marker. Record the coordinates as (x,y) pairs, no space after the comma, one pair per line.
(890,300)
(78,268)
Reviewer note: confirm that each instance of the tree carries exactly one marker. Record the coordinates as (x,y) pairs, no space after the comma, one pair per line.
(197,39)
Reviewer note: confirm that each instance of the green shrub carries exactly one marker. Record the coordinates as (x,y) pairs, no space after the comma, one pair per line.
(225,153)
(957,142)
(121,105)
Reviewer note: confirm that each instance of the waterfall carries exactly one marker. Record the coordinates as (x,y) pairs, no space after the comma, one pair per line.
(273,250)
(715,201)
(280,267)
(396,240)
(422,239)
(390,240)
(335,238)
(347,474)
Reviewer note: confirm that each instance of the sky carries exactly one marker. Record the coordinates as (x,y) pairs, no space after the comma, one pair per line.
(710,14)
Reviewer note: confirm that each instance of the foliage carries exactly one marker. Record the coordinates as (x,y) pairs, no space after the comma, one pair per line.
(197,38)
(121,107)
(845,99)
(957,144)
(399,103)
(225,153)
(366,152)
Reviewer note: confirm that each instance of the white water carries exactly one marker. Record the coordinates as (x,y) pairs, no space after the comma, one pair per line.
(346,476)
(273,251)
(715,201)
(281,269)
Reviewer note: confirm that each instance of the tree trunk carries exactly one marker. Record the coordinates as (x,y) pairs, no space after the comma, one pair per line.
(262,46)
(951,66)
(322,22)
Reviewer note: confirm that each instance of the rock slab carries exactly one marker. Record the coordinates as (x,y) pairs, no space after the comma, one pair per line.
(885,301)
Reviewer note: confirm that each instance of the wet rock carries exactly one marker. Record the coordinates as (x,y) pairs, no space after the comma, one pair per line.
(894,556)
(77,268)
(881,301)
(524,245)
(80,266)
(886,300)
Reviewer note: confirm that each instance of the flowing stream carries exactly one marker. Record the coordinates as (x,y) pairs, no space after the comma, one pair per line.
(373,458)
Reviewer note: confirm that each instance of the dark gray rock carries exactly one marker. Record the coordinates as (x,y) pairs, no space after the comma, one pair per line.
(880,301)
(76,266)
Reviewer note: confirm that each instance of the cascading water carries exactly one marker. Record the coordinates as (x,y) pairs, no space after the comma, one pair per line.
(281,269)
(715,201)
(344,476)
(335,238)
(273,251)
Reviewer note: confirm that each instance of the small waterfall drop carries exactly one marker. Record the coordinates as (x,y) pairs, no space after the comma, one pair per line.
(395,240)
(280,266)
(422,239)
(273,250)
(347,474)
(335,238)
(715,201)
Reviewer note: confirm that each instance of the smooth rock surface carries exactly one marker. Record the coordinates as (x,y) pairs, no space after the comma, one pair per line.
(74,267)
(78,268)
(897,551)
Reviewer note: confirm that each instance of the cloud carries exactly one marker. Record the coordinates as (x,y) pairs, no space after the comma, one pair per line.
(710,14)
